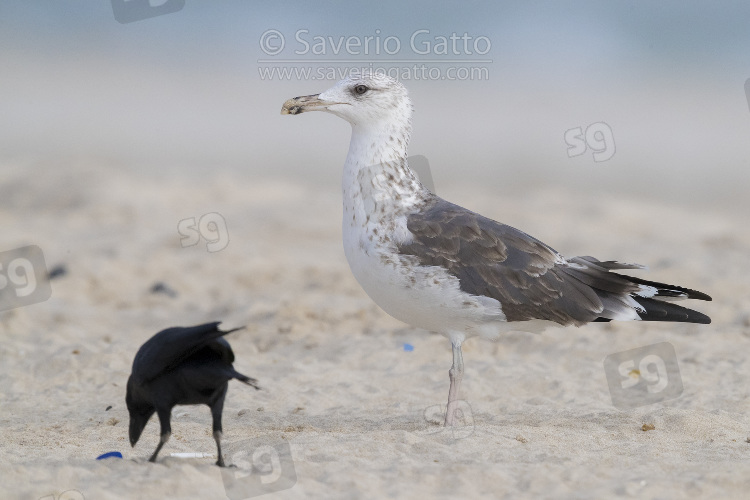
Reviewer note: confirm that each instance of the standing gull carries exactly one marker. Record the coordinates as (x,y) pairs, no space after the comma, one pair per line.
(441,267)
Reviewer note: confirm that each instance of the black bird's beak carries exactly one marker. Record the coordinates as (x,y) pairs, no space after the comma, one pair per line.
(137,424)
(139,411)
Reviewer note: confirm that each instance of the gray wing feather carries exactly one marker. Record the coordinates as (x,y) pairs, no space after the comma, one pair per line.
(527,277)
(168,348)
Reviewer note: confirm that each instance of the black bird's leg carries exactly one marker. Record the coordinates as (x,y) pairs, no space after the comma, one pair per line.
(216,410)
(166,430)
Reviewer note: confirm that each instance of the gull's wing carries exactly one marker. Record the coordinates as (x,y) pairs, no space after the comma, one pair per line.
(530,279)
(168,348)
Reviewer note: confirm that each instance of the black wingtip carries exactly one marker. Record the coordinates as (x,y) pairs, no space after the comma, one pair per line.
(666,290)
(657,310)
(695,294)
(214,325)
(233,330)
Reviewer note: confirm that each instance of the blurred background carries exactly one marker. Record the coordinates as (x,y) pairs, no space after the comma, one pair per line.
(504,92)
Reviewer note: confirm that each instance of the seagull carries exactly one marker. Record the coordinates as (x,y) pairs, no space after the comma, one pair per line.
(181,366)
(438,266)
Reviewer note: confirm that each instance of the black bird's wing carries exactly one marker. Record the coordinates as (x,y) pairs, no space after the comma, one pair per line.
(168,348)
(530,279)
(222,347)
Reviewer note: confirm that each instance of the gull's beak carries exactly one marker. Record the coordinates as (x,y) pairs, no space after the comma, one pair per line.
(297,105)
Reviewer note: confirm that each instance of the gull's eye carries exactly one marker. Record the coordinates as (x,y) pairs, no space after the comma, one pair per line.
(360,89)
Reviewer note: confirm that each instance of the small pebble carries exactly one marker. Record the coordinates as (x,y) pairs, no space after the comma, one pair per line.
(161,287)
(57,272)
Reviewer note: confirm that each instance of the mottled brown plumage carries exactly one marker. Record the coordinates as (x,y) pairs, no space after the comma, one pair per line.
(530,279)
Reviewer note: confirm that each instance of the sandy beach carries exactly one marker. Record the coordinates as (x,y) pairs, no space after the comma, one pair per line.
(351,397)
(148,180)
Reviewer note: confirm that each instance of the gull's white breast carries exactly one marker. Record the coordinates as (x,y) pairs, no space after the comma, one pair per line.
(423,296)
(379,193)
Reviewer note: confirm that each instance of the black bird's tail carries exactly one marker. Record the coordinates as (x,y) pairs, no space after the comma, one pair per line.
(245,379)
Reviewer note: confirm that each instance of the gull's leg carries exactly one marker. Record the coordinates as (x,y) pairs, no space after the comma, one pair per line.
(456,373)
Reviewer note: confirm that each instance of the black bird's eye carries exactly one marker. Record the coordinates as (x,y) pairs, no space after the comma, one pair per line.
(360,89)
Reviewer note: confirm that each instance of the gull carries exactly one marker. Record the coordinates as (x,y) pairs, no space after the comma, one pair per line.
(438,266)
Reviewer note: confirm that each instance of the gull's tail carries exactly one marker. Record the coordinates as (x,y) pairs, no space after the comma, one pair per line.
(647,299)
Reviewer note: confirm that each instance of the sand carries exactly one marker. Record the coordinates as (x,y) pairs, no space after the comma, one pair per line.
(352,394)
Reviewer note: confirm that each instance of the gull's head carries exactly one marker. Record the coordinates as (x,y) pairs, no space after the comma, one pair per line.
(360,100)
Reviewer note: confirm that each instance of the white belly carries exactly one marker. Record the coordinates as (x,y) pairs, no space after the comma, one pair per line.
(429,297)
(423,296)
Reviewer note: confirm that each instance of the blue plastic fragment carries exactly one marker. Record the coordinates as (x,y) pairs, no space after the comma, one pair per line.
(111,454)
(408,347)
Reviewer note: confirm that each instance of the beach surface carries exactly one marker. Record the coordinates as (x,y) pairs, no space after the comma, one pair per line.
(351,399)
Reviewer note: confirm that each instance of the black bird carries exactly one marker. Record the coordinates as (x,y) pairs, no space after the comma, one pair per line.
(181,366)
